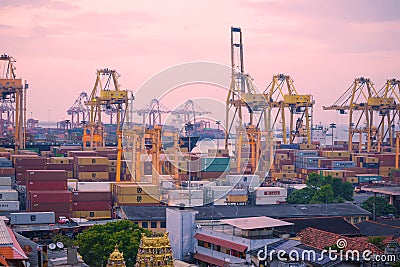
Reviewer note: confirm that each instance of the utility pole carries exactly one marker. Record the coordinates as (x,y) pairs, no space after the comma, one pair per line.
(333,126)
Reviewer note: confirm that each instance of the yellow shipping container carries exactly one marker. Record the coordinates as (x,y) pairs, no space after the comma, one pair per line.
(136,189)
(112,162)
(92,160)
(333,173)
(236,198)
(70,174)
(84,176)
(60,160)
(336,154)
(287,167)
(138,199)
(281,156)
(353,180)
(97,214)
(371,160)
(307,146)
(112,169)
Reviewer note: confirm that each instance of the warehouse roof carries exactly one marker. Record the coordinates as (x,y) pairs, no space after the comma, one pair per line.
(137,213)
(260,222)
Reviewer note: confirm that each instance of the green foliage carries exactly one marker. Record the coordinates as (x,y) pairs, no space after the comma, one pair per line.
(68,242)
(382,207)
(322,189)
(97,242)
(396,264)
(377,241)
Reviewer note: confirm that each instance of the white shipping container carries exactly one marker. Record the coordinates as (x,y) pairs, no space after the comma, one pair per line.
(184,194)
(243,180)
(5,181)
(32,218)
(264,192)
(220,202)
(194,202)
(9,205)
(94,186)
(5,187)
(8,195)
(73,185)
(269,200)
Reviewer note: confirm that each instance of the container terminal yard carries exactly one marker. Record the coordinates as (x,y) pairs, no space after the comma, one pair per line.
(91,170)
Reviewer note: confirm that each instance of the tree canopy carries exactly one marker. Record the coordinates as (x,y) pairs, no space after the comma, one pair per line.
(97,242)
(322,189)
(382,206)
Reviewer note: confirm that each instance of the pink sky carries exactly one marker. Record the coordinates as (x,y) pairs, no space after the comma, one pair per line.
(323,45)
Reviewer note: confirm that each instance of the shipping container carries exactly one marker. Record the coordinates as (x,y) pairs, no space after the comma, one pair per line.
(46,175)
(5,181)
(94,186)
(368,178)
(8,195)
(91,168)
(178,202)
(46,185)
(57,207)
(91,196)
(137,199)
(134,189)
(82,154)
(92,176)
(60,166)
(271,192)
(244,180)
(50,196)
(30,161)
(9,205)
(4,172)
(28,218)
(105,214)
(60,160)
(182,194)
(88,205)
(91,161)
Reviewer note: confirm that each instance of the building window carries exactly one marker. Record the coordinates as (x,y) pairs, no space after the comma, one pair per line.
(355,220)
(348,219)
(153,224)
(363,219)
(145,225)
(163,225)
(91,214)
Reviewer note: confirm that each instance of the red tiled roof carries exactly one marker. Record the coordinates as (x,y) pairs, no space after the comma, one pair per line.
(16,245)
(320,239)
(209,259)
(3,261)
(221,242)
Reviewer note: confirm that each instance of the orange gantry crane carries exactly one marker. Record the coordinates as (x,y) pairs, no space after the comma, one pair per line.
(106,94)
(246,103)
(367,110)
(13,92)
(282,95)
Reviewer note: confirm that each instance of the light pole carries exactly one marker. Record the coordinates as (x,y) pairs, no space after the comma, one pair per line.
(218,123)
(188,129)
(333,126)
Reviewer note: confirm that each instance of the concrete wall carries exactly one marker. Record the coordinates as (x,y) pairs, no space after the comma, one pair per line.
(181,226)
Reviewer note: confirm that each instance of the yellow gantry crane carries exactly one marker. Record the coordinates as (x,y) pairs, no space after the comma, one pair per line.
(244,100)
(14,91)
(363,103)
(281,95)
(104,96)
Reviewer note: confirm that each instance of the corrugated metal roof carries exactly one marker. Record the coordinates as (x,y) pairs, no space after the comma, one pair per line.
(5,238)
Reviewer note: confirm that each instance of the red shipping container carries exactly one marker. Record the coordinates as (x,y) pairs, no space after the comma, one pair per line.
(105,153)
(82,153)
(112,156)
(112,176)
(49,175)
(50,196)
(91,168)
(23,169)
(58,166)
(4,172)
(50,206)
(91,196)
(35,161)
(91,206)
(46,185)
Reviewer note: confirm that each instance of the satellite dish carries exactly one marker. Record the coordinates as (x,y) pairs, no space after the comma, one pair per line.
(52,246)
(60,245)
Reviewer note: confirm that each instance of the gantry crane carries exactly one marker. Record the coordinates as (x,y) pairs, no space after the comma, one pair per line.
(79,111)
(188,113)
(152,113)
(105,96)
(361,101)
(13,91)
(244,100)
(390,109)
(7,110)
(282,95)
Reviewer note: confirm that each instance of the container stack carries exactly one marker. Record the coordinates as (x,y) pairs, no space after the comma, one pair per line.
(212,168)
(136,195)
(8,196)
(91,204)
(91,168)
(62,163)
(47,191)
(270,195)
(22,163)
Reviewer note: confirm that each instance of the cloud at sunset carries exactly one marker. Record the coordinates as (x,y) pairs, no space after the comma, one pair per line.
(323,45)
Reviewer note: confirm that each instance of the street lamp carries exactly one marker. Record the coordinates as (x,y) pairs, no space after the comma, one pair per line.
(218,123)
(333,126)
(188,129)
